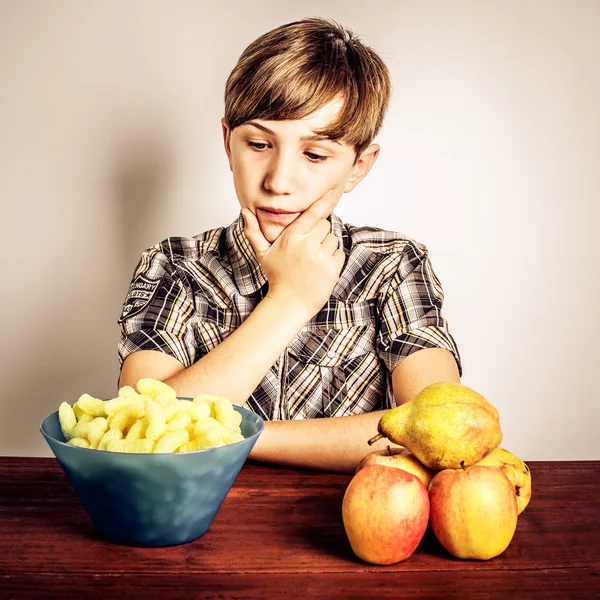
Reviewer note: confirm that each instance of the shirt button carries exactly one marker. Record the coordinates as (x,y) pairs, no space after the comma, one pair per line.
(331,354)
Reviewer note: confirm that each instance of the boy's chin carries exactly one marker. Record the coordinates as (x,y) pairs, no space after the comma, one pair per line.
(271,232)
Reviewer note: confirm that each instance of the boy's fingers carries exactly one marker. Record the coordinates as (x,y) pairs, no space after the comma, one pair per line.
(254,234)
(320,209)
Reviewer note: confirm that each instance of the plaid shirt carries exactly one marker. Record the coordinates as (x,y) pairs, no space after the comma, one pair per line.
(190,293)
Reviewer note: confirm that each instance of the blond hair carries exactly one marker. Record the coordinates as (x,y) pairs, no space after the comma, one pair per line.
(297,68)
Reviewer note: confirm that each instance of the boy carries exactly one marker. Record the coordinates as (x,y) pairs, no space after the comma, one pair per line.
(288,311)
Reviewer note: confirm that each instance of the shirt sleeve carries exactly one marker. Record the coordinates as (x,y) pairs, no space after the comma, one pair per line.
(158,311)
(411,315)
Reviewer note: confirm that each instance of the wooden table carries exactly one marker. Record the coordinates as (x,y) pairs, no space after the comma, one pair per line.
(279,534)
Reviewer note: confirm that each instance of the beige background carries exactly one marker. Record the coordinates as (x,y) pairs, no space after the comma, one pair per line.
(110,141)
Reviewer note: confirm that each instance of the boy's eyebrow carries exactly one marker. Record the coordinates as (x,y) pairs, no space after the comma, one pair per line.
(304,138)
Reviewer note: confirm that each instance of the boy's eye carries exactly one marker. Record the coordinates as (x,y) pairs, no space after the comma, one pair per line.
(260,146)
(316,157)
(257,145)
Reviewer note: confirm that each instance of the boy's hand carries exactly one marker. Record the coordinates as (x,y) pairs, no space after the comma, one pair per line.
(304,263)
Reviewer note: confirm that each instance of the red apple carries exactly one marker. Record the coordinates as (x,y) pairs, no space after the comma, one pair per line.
(385,512)
(473,511)
(399,458)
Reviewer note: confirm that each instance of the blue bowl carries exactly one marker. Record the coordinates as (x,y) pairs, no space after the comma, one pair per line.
(152,500)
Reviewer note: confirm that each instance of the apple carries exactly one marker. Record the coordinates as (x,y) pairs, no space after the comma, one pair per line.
(473,511)
(400,458)
(515,469)
(385,512)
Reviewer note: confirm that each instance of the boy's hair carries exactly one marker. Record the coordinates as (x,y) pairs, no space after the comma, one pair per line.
(297,68)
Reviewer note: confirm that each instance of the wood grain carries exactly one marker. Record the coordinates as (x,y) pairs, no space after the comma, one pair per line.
(548,584)
(281,529)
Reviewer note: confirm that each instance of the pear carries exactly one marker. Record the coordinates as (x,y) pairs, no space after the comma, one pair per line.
(446,426)
(515,469)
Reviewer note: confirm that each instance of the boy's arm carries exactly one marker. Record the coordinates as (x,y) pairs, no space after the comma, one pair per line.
(232,369)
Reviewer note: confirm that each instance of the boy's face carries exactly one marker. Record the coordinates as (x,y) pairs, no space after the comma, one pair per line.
(280,167)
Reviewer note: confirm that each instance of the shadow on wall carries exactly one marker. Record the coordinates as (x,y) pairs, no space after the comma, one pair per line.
(74,349)
(142,174)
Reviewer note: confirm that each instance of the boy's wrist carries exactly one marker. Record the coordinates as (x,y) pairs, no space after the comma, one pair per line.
(289,308)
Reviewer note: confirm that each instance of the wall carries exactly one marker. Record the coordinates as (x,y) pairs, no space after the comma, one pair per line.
(110,141)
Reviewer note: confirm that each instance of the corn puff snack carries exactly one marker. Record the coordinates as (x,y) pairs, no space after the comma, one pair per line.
(151,421)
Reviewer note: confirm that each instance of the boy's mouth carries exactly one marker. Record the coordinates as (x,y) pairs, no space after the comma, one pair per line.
(277,215)
(278,211)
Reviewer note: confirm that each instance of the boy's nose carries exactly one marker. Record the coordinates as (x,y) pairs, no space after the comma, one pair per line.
(280,176)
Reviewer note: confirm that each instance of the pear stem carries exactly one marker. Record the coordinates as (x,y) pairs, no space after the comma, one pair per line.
(375,438)
(462,464)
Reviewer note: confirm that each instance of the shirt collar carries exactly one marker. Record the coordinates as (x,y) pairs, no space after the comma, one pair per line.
(247,272)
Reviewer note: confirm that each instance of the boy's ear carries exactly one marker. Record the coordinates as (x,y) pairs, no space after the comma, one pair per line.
(226,140)
(363,165)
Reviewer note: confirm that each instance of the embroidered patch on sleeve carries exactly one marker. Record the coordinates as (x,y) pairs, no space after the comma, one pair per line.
(139,296)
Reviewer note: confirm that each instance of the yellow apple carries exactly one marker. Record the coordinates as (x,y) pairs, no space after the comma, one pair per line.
(399,458)
(515,469)
(385,513)
(473,511)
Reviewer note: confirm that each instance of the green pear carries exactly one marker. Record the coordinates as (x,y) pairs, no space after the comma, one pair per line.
(446,426)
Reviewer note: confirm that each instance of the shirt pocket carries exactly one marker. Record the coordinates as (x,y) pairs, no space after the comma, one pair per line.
(339,333)
(208,336)
(332,347)
(344,372)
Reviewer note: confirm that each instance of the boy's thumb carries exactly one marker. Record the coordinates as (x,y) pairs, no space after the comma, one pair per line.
(254,234)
